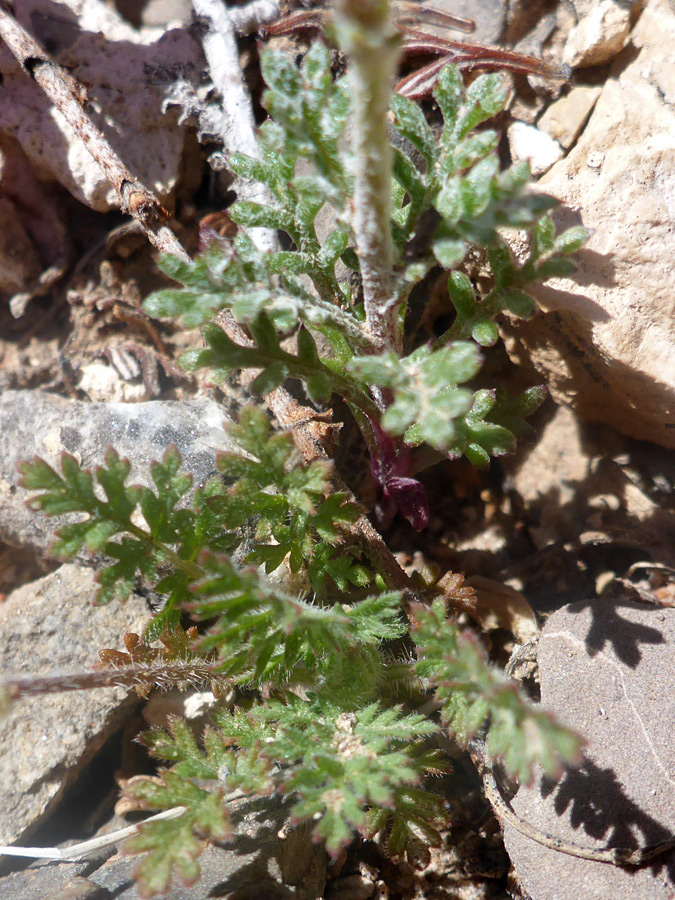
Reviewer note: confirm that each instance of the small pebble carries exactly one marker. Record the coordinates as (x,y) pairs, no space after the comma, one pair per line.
(539,149)
(564,119)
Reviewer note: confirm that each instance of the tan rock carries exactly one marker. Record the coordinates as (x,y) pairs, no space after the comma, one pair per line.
(33,235)
(599,36)
(19,262)
(565,118)
(607,341)
(125,83)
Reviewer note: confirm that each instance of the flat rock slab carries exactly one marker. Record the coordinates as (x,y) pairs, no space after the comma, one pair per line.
(607,670)
(47,880)
(52,626)
(55,881)
(263,859)
(260,861)
(32,422)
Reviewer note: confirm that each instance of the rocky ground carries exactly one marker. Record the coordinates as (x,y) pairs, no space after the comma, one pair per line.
(570,543)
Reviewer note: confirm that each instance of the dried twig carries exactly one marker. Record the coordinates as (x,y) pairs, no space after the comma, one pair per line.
(249,18)
(238,134)
(76,852)
(195,672)
(70,98)
(409,18)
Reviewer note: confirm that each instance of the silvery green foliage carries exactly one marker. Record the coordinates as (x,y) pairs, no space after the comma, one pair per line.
(326,733)
(425,388)
(470,692)
(454,182)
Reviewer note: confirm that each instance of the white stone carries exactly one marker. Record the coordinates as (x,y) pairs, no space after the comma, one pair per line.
(539,149)
(100,382)
(595,160)
(599,35)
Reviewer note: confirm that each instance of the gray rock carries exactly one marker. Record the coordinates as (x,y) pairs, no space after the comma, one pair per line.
(32,423)
(262,860)
(49,881)
(522,16)
(52,625)
(606,669)
(82,889)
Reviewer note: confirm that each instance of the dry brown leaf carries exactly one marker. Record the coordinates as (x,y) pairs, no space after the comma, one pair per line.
(500,606)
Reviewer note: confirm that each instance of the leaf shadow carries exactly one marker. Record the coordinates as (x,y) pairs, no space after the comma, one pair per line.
(595,502)
(271,866)
(608,627)
(595,802)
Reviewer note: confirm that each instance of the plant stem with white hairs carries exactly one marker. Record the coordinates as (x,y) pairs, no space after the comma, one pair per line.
(368,39)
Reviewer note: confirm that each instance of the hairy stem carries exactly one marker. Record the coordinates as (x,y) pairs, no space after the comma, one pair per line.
(189,671)
(367,37)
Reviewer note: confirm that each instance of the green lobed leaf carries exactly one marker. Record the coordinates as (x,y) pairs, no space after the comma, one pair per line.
(485,97)
(411,123)
(471,693)
(338,765)
(572,240)
(449,252)
(253,623)
(448,93)
(520,304)
(425,389)
(462,295)
(485,332)
(171,846)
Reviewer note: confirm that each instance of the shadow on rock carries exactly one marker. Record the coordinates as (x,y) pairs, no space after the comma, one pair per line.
(595,801)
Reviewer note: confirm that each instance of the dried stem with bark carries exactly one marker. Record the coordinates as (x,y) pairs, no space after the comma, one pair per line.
(70,98)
